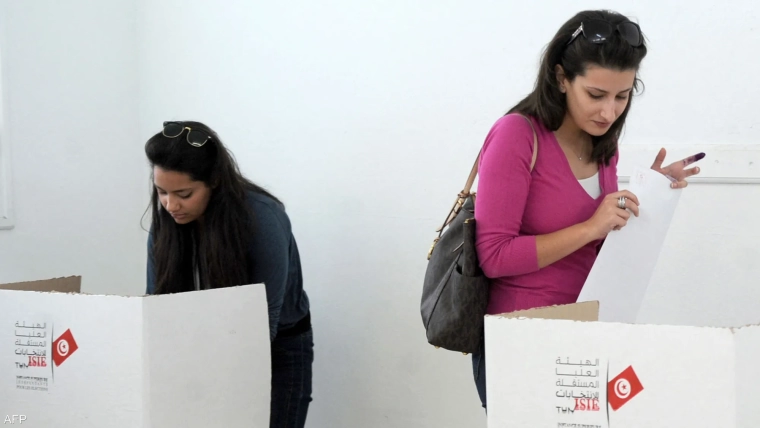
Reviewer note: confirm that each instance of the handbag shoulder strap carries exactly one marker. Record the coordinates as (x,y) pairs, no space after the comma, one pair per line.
(465,193)
(474,171)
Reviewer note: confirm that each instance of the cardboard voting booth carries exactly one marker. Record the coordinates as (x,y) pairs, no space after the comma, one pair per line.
(559,367)
(197,359)
(593,364)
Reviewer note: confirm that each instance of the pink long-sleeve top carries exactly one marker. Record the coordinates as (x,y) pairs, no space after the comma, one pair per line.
(513,205)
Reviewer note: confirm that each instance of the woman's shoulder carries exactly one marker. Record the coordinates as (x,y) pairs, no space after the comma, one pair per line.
(517,123)
(518,126)
(258,199)
(513,132)
(267,210)
(272,237)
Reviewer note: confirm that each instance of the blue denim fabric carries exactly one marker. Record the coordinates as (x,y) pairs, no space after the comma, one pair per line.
(479,373)
(292,359)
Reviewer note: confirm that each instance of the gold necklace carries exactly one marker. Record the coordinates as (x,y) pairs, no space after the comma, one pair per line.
(580,157)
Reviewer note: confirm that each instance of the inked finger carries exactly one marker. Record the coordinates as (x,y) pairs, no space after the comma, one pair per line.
(691,159)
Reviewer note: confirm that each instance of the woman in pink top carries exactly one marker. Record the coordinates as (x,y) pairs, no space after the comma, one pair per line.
(540,226)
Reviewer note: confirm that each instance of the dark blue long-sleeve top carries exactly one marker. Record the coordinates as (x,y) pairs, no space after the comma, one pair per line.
(275,261)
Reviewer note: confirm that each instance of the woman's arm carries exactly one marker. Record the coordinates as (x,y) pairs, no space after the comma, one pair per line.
(503,191)
(560,244)
(271,257)
(151,271)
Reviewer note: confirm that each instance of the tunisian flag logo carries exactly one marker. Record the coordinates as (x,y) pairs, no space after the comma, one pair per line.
(63,347)
(623,388)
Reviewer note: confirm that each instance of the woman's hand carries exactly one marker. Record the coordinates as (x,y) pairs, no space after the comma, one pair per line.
(611,216)
(677,172)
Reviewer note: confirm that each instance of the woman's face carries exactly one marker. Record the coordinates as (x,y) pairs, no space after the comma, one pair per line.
(598,98)
(183,198)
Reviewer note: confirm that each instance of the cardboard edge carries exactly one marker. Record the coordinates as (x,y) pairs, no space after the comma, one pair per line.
(68,284)
(589,312)
(736,329)
(144,295)
(73,285)
(580,311)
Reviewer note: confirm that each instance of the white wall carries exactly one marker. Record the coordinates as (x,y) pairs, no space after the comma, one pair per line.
(365,120)
(6,210)
(70,85)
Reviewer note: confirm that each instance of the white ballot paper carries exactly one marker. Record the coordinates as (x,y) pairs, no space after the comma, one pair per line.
(624,267)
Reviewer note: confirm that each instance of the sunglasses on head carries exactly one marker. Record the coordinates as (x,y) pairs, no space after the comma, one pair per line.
(598,31)
(194,137)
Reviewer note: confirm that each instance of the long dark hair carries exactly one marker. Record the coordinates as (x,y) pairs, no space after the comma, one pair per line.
(548,104)
(227,227)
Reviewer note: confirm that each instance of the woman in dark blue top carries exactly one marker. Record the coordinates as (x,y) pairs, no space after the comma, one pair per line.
(214,228)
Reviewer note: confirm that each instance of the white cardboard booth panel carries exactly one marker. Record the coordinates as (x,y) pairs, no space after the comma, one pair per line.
(558,367)
(190,360)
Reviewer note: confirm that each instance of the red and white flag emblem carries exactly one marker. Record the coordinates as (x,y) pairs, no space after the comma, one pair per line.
(623,388)
(63,347)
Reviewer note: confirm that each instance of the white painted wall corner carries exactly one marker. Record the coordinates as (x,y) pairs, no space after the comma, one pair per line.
(6,206)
